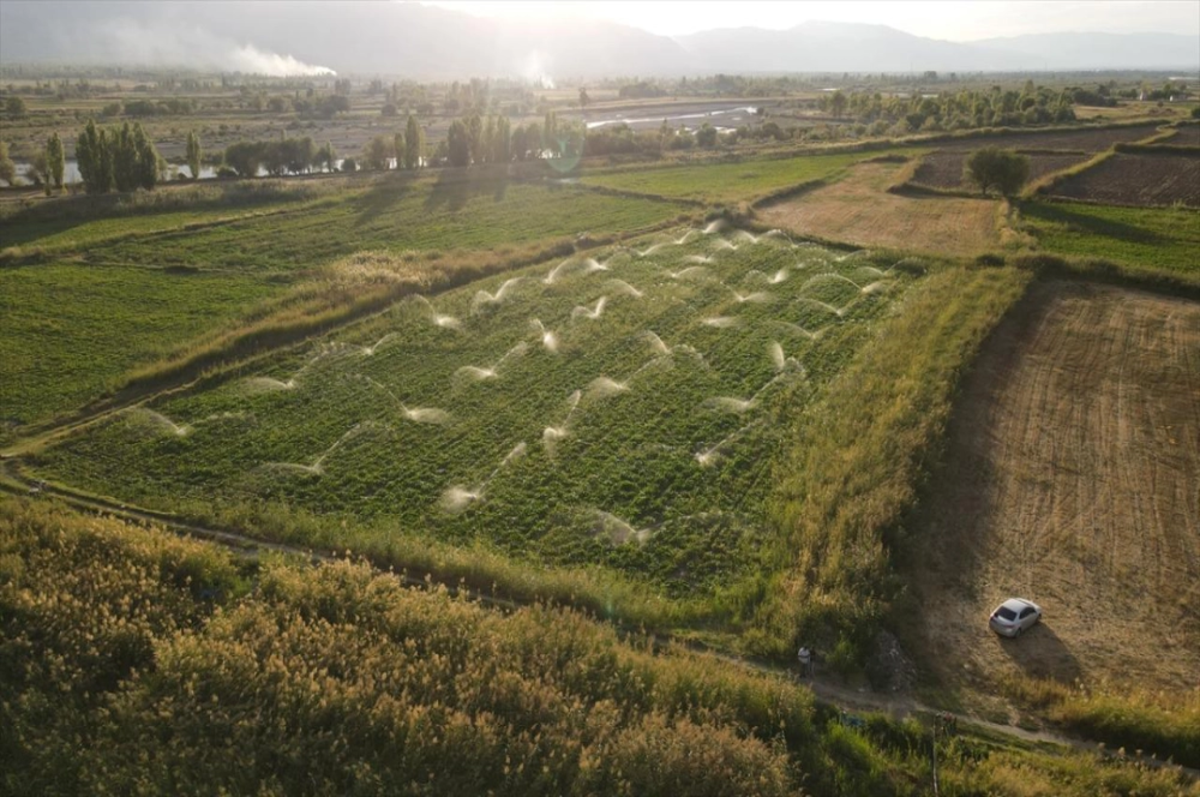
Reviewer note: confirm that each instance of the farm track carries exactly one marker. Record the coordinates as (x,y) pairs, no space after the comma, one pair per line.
(1074,456)
(825,689)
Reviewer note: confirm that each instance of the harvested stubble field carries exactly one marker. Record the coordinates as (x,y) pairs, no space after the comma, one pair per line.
(1071,479)
(1140,179)
(1096,140)
(859,210)
(617,411)
(945,169)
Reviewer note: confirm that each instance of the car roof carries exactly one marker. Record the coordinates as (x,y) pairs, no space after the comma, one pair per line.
(1017,604)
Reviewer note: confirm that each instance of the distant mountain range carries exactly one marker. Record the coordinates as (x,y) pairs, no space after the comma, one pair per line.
(429,42)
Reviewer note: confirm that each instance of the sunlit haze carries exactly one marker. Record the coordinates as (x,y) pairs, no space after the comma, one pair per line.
(940,20)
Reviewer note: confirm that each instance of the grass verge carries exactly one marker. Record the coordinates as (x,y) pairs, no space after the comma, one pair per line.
(1164,726)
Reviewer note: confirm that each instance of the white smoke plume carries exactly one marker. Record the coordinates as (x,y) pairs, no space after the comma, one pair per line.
(158,43)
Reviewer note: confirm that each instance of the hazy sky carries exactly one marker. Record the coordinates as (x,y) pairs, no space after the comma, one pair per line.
(956,20)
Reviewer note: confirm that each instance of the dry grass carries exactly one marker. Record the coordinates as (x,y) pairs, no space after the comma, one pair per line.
(859,210)
(1071,479)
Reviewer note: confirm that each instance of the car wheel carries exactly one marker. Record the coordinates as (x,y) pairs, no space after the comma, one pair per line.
(1017,633)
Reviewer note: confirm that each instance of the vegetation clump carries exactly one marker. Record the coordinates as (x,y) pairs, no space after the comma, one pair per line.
(119,158)
(1003,170)
(132,662)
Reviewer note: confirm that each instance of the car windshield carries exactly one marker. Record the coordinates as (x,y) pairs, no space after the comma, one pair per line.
(1006,613)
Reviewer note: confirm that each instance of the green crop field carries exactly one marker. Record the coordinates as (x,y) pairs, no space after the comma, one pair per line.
(69,330)
(69,235)
(617,412)
(731,182)
(1162,238)
(394,214)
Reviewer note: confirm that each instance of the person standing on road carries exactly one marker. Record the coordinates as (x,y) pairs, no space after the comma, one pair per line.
(805,658)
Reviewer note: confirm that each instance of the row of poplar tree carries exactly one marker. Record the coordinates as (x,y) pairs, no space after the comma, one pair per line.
(121,158)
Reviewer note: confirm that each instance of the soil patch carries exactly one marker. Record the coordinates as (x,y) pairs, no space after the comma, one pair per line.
(859,210)
(1185,136)
(1142,179)
(945,169)
(1072,478)
(1085,140)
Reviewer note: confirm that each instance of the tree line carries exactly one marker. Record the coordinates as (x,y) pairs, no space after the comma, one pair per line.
(407,147)
(118,158)
(965,109)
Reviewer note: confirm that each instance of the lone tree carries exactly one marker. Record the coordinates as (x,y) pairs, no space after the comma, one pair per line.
(837,104)
(193,154)
(8,169)
(1004,170)
(458,142)
(56,161)
(39,171)
(414,144)
(95,159)
(376,153)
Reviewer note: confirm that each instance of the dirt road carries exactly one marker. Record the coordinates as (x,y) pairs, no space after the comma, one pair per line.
(1072,477)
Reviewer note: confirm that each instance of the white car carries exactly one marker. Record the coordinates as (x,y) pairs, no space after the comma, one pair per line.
(1014,616)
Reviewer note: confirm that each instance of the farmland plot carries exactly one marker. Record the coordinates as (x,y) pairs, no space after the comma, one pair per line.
(1072,480)
(1140,179)
(616,410)
(1094,140)
(945,169)
(859,210)
(1157,238)
(1185,136)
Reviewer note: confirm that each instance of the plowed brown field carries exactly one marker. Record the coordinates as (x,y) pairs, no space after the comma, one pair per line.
(1082,139)
(1185,136)
(945,169)
(1072,478)
(1137,179)
(858,210)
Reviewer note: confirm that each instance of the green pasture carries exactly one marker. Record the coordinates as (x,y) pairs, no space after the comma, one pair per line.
(732,182)
(394,213)
(128,290)
(1157,238)
(68,331)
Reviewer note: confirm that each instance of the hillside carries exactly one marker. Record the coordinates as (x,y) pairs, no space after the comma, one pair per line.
(408,39)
